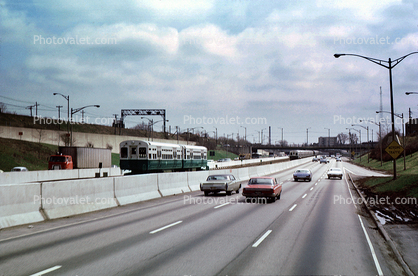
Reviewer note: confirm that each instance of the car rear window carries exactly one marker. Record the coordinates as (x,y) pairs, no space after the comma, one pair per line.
(218,177)
(264,181)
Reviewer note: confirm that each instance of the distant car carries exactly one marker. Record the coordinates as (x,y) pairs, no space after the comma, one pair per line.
(323,160)
(303,174)
(224,160)
(338,159)
(219,183)
(265,187)
(314,159)
(19,169)
(335,172)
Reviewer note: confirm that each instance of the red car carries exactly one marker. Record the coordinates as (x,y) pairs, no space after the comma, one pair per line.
(265,187)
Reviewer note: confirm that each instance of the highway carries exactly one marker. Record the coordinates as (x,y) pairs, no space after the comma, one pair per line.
(314,229)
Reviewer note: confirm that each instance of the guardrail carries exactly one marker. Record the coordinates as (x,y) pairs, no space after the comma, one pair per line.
(25,203)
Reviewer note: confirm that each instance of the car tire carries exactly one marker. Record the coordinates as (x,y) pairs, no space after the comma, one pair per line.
(206,193)
(273,199)
(309,179)
(279,195)
(229,193)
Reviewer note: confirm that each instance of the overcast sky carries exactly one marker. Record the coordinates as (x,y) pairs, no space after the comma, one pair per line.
(230,64)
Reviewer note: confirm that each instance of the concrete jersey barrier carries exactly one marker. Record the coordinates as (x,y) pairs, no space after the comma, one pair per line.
(73,197)
(20,204)
(135,188)
(172,183)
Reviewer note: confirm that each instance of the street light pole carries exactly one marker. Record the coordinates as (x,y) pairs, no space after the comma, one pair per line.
(75,111)
(68,109)
(380,140)
(329,130)
(390,66)
(307,136)
(368,141)
(282,144)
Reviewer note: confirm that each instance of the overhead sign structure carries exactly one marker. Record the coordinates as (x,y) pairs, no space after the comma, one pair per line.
(394,149)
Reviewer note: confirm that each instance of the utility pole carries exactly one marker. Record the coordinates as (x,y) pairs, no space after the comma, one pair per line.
(59,111)
(36,109)
(116,120)
(30,108)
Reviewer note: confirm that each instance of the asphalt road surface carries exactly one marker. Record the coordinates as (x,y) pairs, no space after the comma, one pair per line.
(314,229)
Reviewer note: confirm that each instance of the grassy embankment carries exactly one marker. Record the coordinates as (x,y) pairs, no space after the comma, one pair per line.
(406,183)
(33,156)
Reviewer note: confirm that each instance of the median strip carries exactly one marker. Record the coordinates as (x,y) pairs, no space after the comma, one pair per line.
(165,227)
(260,240)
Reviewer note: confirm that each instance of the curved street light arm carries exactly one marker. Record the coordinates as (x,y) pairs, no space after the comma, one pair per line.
(391,63)
(81,108)
(397,115)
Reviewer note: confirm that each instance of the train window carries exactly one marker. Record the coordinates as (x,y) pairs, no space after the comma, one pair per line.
(133,151)
(142,153)
(124,152)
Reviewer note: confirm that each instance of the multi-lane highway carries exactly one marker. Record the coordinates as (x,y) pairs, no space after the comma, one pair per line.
(314,229)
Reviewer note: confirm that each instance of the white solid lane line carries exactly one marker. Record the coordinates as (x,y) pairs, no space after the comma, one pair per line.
(219,206)
(260,240)
(165,227)
(46,271)
(376,262)
(293,207)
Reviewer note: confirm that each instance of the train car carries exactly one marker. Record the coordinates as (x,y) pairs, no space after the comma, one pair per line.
(298,154)
(194,157)
(147,157)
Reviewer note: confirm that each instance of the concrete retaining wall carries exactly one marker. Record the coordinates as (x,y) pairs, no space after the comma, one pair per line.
(79,139)
(20,204)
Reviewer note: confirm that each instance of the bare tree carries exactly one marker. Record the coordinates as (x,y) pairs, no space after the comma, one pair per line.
(3,107)
(342,138)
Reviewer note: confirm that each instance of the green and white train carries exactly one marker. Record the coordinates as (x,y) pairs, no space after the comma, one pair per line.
(148,157)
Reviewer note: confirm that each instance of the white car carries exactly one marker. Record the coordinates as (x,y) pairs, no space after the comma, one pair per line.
(335,172)
(19,169)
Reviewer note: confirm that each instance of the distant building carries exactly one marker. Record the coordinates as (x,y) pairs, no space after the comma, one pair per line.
(327,141)
(411,127)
